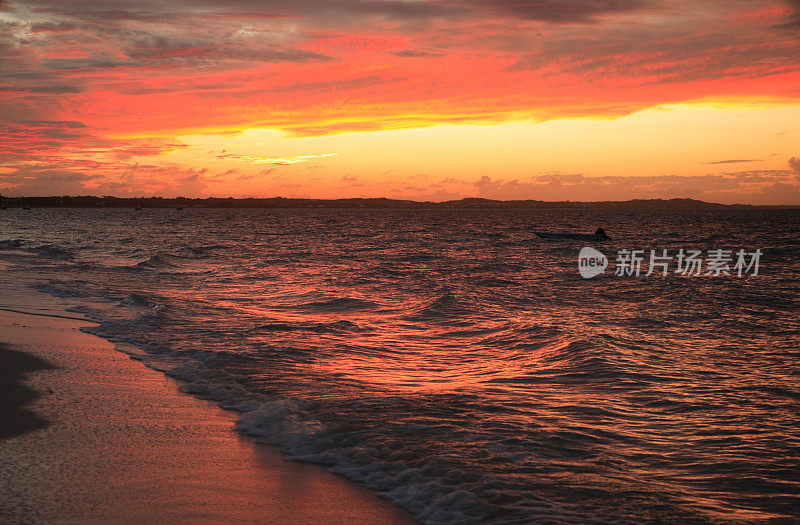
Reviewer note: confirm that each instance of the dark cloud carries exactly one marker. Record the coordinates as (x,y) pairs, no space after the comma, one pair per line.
(100,12)
(125,180)
(560,11)
(104,39)
(664,54)
(734,161)
(333,11)
(243,90)
(64,176)
(151,10)
(145,148)
(47,146)
(352,181)
(54,27)
(70,124)
(50,90)
(32,181)
(208,35)
(411,53)
(197,57)
(34,138)
(162,49)
(26,75)
(92,63)
(793,23)
(391,9)
(352,83)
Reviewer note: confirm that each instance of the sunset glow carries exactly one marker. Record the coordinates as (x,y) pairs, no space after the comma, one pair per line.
(409,99)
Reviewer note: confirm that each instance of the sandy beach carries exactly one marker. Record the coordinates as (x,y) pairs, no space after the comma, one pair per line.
(90,436)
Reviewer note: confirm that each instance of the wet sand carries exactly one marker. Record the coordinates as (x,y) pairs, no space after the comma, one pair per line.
(91,436)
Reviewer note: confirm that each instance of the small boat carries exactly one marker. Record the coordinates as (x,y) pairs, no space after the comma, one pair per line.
(26,207)
(599,235)
(179,208)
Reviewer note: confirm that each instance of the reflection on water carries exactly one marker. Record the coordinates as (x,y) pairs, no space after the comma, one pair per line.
(456,363)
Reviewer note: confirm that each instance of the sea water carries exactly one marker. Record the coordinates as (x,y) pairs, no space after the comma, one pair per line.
(455,363)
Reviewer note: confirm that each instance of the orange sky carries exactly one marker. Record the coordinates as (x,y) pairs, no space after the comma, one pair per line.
(551,100)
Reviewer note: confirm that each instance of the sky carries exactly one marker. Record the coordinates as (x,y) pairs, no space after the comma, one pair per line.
(578,100)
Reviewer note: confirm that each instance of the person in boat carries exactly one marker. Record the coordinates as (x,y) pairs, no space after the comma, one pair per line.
(602,232)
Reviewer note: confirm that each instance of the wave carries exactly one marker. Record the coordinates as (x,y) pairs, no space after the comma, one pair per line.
(320,328)
(11,244)
(161,261)
(443,307)
(289,424)
(204,250)
(419,257)
(500,267)
(293,425)
(74,289)
(172,263)
(136,299)
(339,304)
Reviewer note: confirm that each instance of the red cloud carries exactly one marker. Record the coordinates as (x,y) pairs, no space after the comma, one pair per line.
(156,68)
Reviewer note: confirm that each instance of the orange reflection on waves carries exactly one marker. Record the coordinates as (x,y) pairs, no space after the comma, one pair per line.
(428,368)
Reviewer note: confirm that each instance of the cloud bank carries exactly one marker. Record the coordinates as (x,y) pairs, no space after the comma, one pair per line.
(101,85)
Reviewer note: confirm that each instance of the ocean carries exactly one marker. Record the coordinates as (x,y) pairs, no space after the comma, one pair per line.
(455,363)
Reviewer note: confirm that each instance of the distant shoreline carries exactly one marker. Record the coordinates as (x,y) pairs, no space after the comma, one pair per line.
(367,203)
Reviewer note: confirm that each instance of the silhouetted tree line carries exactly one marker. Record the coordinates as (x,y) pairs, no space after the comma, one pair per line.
(89,201)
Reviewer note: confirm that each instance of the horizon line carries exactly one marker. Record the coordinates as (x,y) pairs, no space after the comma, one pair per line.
(100,201)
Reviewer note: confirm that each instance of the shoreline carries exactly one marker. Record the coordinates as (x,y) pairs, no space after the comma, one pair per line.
(99,437)
(371,203)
